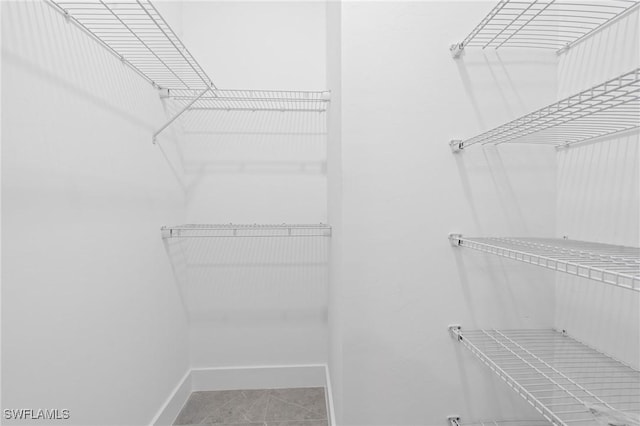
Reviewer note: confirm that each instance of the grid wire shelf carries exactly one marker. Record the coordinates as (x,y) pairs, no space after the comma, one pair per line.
(135,32)
(610,264)
(606,109)
(542,24)
(568,382)
(253,100)
(457,421)
(246,231)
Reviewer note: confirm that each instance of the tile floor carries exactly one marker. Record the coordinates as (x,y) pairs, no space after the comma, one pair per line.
(262,407)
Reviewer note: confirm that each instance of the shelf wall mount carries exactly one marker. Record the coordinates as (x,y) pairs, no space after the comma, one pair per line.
(454,420)
(543,24)
(610,108)
(456,145)
(607,263)
(456,50)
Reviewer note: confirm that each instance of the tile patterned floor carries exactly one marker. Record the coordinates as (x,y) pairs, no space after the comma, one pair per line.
(263,407)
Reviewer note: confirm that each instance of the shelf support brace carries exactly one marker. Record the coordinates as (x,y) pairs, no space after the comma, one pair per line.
(175,117)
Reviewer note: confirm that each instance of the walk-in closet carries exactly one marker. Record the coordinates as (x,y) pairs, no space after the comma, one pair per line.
(320,212)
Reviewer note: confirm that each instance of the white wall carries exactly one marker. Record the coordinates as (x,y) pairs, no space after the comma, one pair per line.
(81,177)
(403,99)
(91,316)
(599,198)
(256,301)
(270,45)
(334,199)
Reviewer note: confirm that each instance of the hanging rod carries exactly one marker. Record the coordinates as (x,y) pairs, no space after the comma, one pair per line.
(136,33)
(543,24)
(610,264)
(246,231)
(603,110)
(566,381)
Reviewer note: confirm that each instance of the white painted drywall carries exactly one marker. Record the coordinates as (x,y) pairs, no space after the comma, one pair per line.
(334,199)
(599,197)
(401,284)
(80,177)
(256,301)
(91,316)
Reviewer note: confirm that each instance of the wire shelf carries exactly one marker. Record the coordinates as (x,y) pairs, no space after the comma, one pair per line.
(246,231)
(606,109)
(254,100)
(610,264)
(135,32)
(568,382)
(457,421)
(543,24)
(211,99)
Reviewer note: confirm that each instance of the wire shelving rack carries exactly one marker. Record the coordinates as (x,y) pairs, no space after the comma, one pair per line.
(542,24)
(457,421)
(138,35)
(606,109)
(568,382)
(245,230)
(607,263)
(212,99)
(254,100)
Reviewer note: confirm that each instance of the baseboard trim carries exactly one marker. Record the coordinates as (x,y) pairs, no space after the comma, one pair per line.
(329,394)
(174,403)
(252,377)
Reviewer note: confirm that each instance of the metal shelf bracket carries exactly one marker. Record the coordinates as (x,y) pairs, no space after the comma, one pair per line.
(456,145)
(167,232)
(456,50)
(456,332)
(455,239)
(454,420)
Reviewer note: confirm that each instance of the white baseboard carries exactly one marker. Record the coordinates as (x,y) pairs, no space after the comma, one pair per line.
(172,406)
(329,394)
(235,378)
